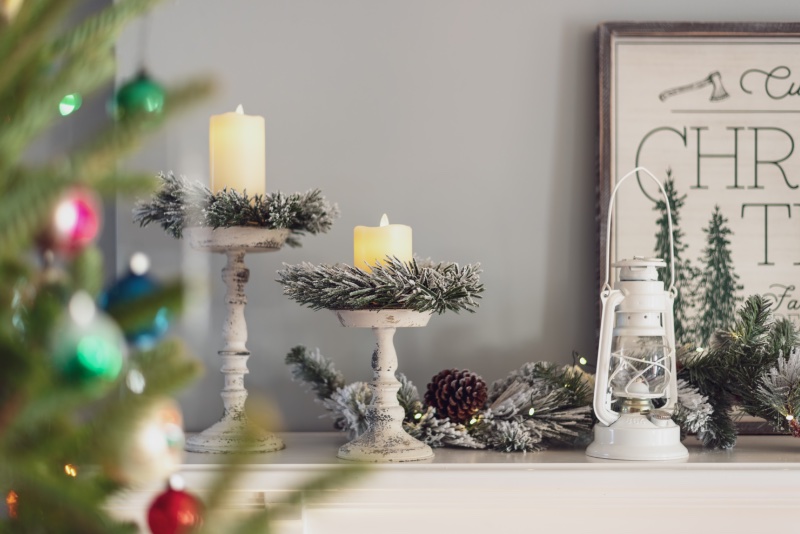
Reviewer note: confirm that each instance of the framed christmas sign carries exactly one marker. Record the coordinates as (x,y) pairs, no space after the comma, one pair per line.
(713,110)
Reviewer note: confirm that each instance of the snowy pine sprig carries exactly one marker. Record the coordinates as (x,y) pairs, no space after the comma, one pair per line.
(779,388)
(181,203)
(418,285)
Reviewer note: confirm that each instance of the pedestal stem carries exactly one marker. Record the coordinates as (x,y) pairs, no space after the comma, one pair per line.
(384,440)
(385,410)
(228,434)
(234,352)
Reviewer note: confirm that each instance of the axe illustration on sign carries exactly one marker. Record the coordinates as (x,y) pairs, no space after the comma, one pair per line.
(714,79)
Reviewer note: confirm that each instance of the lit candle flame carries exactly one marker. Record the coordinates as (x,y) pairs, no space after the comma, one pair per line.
(384,220)
(240,109)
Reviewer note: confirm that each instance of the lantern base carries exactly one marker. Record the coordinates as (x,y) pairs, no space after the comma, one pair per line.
(634,437)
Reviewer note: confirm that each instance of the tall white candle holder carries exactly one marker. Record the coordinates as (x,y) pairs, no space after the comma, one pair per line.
(233,433)
(385,440)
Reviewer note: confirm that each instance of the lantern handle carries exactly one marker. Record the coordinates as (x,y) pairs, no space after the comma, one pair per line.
(606,286)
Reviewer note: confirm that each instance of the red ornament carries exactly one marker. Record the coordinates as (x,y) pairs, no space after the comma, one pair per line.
(75,222)
(175,512)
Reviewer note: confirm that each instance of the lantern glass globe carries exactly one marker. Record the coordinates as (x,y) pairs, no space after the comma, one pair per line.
(639,366)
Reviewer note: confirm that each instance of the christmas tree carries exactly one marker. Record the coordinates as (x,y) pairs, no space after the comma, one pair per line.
(717,292)
(83,413)
(685,273)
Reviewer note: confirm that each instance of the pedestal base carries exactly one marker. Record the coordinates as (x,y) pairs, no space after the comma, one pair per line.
(385,447)
(634,437)
(225,437)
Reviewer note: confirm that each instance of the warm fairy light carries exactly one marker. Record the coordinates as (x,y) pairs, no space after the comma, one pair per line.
(384,220)
(417,416)
(473,421)
(583,361)
(139,263)
(11,501)
(789,417)
(240,109)
(531,411)
(71,470)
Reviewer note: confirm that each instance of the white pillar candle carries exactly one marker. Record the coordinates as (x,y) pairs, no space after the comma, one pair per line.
(237,148)
(373,244)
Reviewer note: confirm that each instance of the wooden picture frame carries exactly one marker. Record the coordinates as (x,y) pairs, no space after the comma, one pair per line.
(715,103)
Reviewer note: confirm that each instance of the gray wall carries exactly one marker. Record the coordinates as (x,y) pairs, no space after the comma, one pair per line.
(472,121)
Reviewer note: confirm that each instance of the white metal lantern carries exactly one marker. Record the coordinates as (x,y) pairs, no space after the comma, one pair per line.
(636,359)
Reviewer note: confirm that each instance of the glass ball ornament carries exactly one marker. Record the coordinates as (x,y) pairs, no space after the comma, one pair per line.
(75,222)
(88,347)
(155,450)
(175,511)
(135,285)
(139,95)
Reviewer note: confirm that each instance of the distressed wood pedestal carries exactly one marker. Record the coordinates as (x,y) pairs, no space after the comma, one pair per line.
(385,440)
(227,435)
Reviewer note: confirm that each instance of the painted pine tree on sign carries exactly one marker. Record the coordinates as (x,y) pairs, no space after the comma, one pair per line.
(686,275)
(719,283)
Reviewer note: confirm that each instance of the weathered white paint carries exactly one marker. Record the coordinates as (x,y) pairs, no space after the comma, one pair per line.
(385,440)
(234,433)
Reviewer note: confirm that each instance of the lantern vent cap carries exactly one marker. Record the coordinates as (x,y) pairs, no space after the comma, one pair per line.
(639,268)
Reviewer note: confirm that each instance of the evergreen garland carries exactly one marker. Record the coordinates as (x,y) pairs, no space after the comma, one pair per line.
(536,406)
(734,369)
(418,285)
(181,203)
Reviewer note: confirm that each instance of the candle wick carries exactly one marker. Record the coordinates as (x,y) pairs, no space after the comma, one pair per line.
(384,220)
(240,109)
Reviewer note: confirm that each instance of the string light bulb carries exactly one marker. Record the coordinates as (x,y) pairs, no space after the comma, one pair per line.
(71,470)
(11,501)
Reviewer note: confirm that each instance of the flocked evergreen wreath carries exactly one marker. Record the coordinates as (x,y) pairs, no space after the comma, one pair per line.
(181,203)
(419,285)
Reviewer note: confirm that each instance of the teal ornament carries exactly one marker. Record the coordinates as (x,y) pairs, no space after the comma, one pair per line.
(139,95)
(136,284)
(88,347)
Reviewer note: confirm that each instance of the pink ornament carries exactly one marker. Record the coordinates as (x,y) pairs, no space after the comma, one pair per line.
(75,222)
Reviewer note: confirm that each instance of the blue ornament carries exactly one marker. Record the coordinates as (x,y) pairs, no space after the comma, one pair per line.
(135,285)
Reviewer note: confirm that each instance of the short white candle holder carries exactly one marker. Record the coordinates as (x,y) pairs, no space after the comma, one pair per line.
(233,433)
(385,440)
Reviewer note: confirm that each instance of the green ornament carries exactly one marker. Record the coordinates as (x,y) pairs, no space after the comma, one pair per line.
(88,347)
(140,95)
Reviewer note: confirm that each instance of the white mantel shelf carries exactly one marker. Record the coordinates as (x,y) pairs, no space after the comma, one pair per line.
(752,489)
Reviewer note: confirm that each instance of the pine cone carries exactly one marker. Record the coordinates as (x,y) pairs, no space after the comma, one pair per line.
(456,394)
(794,427)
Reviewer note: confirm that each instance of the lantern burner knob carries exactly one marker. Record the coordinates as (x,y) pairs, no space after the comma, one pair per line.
(660,418)
(639,269)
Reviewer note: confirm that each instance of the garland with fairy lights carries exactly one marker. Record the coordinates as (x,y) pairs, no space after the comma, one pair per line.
(180,203)
(754,366)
